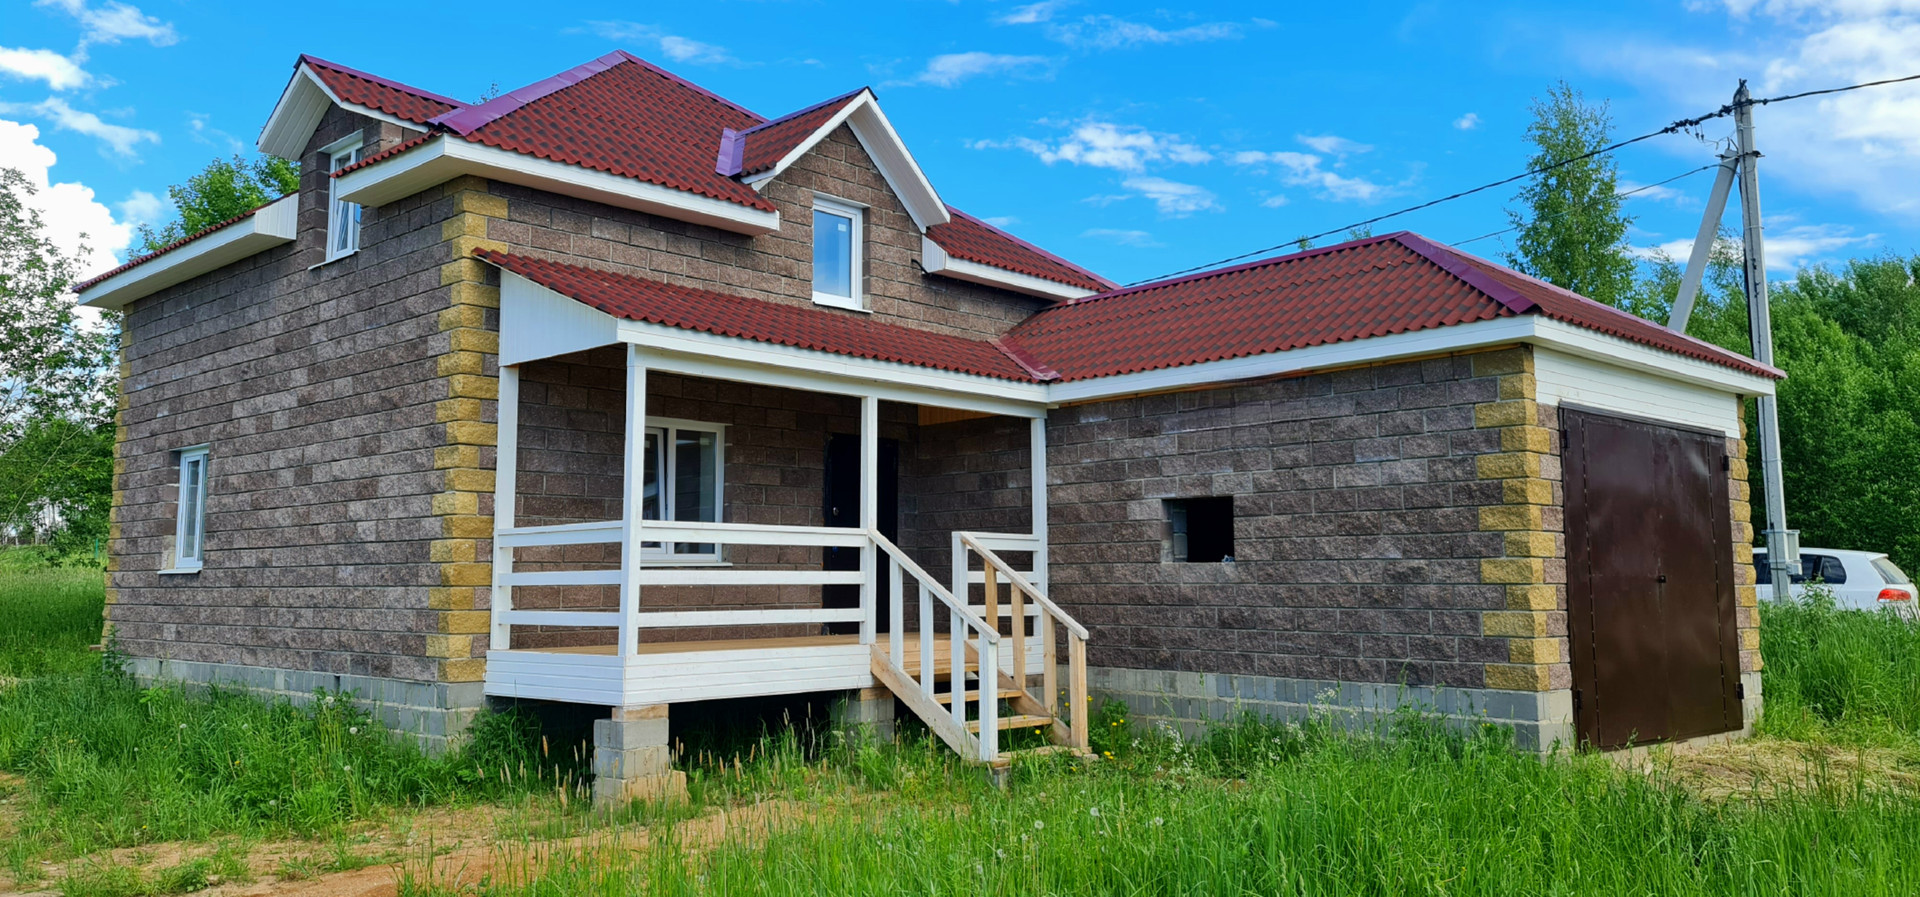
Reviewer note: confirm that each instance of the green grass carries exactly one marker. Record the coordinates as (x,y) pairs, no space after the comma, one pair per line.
(48,617)
(1849,677)
(110,764)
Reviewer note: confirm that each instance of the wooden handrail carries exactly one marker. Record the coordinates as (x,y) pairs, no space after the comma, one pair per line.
(1020,582)
(989,634)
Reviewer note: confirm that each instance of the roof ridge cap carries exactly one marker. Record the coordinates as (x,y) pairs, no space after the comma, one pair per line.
(1245,266)
(310,59)
(799,112)
(472,118)
(1097,278)
(1034,366)
(629,57)
(1451,262)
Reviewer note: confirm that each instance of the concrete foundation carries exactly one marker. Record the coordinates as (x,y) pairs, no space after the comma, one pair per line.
(434,713)
(633,758)
(866,712)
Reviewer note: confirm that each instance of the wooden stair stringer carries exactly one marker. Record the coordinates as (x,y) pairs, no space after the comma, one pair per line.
(1023,702)
(938,718)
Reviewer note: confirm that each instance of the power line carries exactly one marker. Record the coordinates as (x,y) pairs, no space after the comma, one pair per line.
(1673,128)
(1620,195)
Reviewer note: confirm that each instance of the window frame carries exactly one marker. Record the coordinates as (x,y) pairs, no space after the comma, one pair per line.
(856,300)
(353,148)
(181,561)
(667,464)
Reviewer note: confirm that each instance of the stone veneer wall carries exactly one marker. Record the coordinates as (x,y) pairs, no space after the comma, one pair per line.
(1396,541)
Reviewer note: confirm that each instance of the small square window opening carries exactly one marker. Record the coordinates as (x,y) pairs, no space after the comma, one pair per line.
(1200,529)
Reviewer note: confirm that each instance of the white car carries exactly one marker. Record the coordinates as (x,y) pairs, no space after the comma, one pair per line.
(1861,580)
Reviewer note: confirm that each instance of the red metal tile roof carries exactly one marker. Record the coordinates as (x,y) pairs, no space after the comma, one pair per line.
(706,311)
(374,92)
(141,260)
(620,115)
(763,146)
(967,237)
(1397,283)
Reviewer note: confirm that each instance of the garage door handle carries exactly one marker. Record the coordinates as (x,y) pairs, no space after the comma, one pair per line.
(1663,577)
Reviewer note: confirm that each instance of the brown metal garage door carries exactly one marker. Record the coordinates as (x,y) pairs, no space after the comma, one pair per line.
(1650,601)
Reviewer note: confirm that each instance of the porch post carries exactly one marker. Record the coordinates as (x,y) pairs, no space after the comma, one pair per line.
(869,511)
(632,497)
(506,467)
(1038,449)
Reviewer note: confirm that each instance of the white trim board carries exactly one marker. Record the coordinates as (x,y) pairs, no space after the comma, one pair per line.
(935,260)
(1577,380)
(269,227)
(1531,329)
(882,143)
(444,158)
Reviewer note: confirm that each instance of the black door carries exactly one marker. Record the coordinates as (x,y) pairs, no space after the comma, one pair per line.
(1650,600)
(843,509)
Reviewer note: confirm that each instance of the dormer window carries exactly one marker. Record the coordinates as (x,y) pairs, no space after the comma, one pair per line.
(838,239)
(343,218)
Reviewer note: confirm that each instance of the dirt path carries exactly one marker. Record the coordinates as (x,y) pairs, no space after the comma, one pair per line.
(450,848)
(1767,767)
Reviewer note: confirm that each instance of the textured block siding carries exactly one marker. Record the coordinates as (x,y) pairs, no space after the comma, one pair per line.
(1746,589)
(971,475)
(317,391)
(777,267)
(1358,538)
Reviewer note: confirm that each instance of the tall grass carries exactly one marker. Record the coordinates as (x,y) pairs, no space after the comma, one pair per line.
(1268,809)
(48,617)
(1839,675)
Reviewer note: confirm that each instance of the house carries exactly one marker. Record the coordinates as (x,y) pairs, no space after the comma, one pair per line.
(610,391)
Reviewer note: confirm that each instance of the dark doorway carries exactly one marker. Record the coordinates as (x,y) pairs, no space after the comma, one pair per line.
(843,509)
(1650,600)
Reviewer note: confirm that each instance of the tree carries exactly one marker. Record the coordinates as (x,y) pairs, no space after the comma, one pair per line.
(56,379)
(225,188)
(1573,232)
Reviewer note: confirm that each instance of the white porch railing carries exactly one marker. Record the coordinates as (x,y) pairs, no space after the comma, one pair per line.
(1029,601)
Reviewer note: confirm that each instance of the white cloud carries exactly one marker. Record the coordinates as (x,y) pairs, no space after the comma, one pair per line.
(1333,146)
(949,69)
(1304,170)
(1173,197)
(141,207)
(74,218)
(1468,121)
(1104,32)
(113,22)
(1859,144)
(1033,13)
(1001,221)
(1659,193)
(1273,202)
(1136,238)
(120,138)
(1789,246)
(672,46)
(199,126)
(1106,145)
(58,71)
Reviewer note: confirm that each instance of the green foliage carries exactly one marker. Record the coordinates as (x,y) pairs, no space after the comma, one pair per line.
(1572,231)
(50,617)
(1840,675)
(67,465)
(225,188)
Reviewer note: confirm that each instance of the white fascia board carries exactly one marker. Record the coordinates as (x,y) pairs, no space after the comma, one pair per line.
(298,113)
(445,158)
(1577,340)
(1531,329)
(750,361)
(935,260)
(536,322)
(264,229)
(884,146)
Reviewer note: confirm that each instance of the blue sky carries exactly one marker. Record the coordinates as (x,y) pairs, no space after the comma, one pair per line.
(1132,138)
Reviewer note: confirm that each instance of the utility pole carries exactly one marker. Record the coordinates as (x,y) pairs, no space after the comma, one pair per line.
(1783,545)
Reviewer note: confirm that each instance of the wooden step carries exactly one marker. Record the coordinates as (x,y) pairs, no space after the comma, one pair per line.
(1018,721)
(1006,758)
(974,695)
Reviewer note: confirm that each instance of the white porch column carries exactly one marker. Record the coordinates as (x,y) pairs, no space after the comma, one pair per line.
(632,497)
(1038,449)
(869,511)
(506,467)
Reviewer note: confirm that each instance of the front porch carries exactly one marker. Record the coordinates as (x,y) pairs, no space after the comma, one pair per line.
(676,526)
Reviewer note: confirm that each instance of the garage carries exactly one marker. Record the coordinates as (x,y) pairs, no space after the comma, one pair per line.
(1654,647)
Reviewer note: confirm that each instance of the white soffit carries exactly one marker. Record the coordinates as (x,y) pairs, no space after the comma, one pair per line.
(445,157)
(301,106)
(270,226)
(876,134)
(934,259)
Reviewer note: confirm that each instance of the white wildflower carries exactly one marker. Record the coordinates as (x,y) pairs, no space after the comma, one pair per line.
(1038,825)
(1158,821)
(353,730)
(1095,811)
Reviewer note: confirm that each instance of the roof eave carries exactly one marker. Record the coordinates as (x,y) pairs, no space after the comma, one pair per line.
(445,157)
(935,259)
(270,226)
(299,110)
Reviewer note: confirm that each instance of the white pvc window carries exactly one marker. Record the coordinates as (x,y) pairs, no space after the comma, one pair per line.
(190,525)
(838,235)
(343,218)
(687,457)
